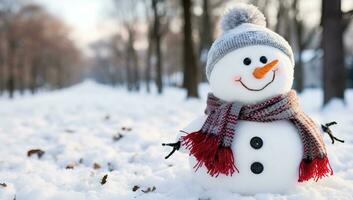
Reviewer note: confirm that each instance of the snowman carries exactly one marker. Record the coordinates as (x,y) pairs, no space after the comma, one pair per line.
(254,137)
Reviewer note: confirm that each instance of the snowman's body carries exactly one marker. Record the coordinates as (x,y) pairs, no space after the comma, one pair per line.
(274,165)
(247,65)
(280,155)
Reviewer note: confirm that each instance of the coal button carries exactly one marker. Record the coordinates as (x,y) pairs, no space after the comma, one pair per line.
(257,168)
(256,142)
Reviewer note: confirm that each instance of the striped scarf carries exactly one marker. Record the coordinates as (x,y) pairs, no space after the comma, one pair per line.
(211,145)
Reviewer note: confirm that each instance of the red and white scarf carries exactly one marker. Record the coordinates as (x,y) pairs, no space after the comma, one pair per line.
(211,145)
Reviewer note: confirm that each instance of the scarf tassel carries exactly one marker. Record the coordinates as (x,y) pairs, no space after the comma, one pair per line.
(209,153)
(314,169)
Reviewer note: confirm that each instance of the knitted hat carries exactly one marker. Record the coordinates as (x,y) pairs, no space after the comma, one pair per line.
(243,26)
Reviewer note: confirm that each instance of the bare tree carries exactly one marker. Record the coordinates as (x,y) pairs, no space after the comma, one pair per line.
(118,55)
(4,12)
(191,74)
(131,68)
(150,47)
(332,43)
(127,15)
(157,35)
(298,32)
(206,35)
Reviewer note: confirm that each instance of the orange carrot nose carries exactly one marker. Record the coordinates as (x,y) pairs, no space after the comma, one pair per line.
(260,72)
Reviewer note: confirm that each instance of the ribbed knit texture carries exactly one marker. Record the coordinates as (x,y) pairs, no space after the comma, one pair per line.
(218,132)
(244,25)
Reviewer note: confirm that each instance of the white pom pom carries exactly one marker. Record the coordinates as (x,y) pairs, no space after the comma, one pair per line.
(242,13)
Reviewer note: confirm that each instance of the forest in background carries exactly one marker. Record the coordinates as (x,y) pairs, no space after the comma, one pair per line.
(162,43)
(35,50)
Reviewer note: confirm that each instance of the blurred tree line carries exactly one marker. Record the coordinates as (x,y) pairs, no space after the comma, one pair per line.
(35,50)
(166,42)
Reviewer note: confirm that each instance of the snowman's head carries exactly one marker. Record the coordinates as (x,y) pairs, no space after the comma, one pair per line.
(252,74)
(249,63)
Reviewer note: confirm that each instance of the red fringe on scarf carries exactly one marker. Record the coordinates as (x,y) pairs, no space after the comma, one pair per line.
(314,169)
(220,160)
(208,152)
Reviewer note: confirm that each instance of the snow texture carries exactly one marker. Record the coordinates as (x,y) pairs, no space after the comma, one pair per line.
(75,128)
(242,13)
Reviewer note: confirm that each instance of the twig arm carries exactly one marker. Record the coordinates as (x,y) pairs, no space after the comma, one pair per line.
(176,146)
(326,128)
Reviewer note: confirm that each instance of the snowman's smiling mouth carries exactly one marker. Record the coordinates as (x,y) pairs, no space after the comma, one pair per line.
(256,90)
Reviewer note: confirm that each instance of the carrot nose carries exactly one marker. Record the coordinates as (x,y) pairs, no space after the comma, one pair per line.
(260,72)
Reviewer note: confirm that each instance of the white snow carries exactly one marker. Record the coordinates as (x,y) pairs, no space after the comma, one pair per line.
(79,123)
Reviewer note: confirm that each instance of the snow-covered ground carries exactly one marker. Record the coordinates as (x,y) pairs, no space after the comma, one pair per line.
(90,130)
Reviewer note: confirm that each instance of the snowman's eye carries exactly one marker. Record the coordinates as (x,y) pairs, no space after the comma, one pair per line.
(263,59)
(247,61)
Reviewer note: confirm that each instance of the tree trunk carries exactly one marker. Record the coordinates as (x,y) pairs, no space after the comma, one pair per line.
(206,37)
(128,71)
(332,42)
(132,61)
(2,67)
(190,81)
(298,26)
(33,76)
(1,79)
(129,57)
(60,74)
(148,60)
(10,84)
(298,72)
(136,75)
(157,39)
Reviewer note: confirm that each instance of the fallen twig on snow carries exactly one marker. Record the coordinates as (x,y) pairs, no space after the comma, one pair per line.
(38,152)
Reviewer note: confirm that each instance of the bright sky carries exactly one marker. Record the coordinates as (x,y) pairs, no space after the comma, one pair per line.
(88,19)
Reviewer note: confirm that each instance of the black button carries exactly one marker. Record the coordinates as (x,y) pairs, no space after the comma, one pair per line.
(256,142)
(257,168)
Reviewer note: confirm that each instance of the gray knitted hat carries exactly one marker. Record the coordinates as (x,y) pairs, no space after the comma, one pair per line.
(243,26)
